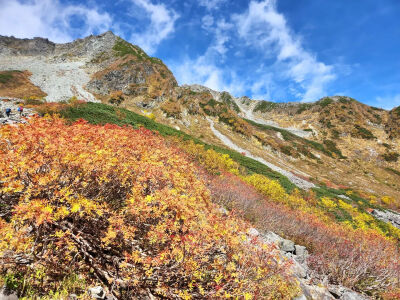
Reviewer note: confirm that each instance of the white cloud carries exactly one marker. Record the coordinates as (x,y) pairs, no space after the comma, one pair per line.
(263,27)
(211,4)
(203,70)
(50,19)
(221,37)
(162,24)
(206,22)
(388,102)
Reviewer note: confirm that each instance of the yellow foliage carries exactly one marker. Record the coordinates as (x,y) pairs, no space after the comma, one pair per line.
(328,203)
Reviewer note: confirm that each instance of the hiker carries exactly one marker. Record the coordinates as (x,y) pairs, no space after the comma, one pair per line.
(20,109)
(8,112)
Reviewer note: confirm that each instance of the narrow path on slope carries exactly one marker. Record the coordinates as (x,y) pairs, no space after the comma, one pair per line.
(299,182)
(249,115)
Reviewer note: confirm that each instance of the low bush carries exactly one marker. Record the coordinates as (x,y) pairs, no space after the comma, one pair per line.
(116,97)
(391,156)
(363,133)
(172,109)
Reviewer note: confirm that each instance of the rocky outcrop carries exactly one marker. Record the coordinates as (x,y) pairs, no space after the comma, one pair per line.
(387,216)
(35,46)
(311,286)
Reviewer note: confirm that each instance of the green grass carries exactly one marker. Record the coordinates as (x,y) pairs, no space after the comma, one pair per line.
(265,106)
(324,102)
(97,113)
(123,48)
(391,156)
(393,171)
(229,101)
(331,146)
(363,133)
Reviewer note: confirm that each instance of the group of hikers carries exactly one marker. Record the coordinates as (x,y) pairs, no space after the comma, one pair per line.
(20,110)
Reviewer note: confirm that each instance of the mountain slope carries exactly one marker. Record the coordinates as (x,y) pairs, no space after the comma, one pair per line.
(337,141)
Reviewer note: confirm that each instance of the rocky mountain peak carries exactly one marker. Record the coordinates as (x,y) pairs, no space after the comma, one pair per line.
(36,46)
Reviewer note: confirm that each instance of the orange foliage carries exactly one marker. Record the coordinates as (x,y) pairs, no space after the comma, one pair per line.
(119,206)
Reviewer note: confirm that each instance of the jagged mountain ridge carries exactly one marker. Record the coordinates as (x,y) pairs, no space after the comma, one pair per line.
(336,140)
(89,68)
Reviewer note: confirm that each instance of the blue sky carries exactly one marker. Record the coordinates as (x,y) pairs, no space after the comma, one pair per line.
(277,50)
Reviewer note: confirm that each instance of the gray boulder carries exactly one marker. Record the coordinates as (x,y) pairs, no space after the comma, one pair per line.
(315,292)
(387,216)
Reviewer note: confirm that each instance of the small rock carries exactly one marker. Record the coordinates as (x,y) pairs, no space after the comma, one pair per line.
(253,232)
(224,211)
(97,292)
(7,295)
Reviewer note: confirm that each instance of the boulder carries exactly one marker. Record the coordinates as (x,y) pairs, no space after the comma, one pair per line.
(315,292)
(351,295)
(301,254)
(387,216)
(343,293)
(287,246)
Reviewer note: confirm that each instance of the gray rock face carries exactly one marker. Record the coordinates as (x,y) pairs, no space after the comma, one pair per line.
(36,46)
(123,80)
(387,216)
(60,70)
(91,45)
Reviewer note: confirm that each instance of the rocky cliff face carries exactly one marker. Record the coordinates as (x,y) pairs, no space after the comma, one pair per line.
(90,68)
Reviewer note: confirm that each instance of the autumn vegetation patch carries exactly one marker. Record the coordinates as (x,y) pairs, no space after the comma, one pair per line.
(88,204)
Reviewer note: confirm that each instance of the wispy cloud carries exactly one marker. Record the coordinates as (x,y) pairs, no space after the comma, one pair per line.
(50,19)
(162,24)
(263,27)
(286,68)
(211,4)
